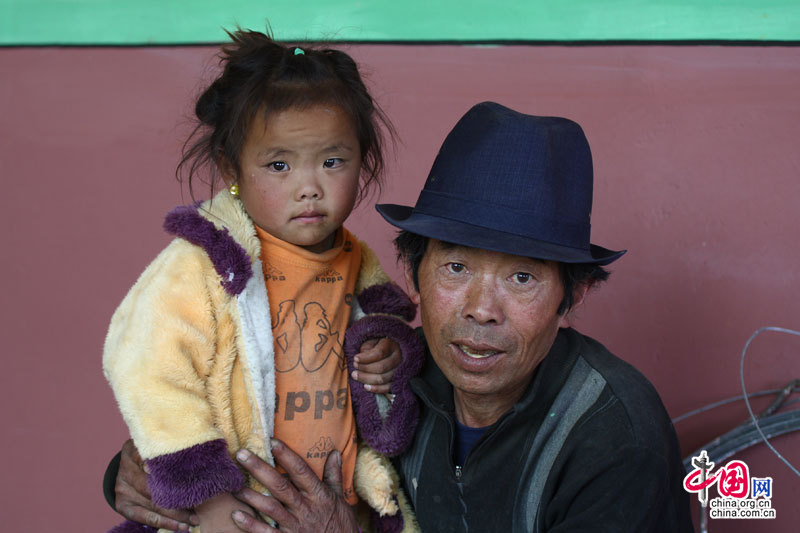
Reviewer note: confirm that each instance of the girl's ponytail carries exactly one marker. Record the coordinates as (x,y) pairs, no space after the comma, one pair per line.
(260,75)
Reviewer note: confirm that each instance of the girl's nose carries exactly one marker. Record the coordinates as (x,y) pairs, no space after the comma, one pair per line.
(308,188)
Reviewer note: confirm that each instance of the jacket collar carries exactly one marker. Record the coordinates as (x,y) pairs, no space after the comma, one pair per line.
(223,229)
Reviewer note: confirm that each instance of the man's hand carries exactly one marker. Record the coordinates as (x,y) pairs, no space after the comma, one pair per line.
(375,364)
(300,503)
(133,496)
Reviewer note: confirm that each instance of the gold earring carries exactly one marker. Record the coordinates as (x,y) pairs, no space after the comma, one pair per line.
(234,189)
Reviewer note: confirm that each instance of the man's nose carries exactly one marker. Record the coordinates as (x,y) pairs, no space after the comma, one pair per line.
(483,303)
(308,186)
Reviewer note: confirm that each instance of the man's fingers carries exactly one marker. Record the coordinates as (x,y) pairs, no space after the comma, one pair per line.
(143,511)
(265,504)
(131,469)
(264,473)
(304,504)
(282,488)
(133,496)
(130,451)
(299,472)
(152,518)
(245,522)
(332,474)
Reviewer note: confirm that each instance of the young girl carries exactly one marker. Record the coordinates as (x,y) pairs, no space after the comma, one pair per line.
(235,333)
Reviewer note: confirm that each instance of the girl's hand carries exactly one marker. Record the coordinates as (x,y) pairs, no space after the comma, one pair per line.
(375,364)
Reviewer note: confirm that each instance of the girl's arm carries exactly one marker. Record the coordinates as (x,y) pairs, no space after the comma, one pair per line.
(156,357)
(215,513)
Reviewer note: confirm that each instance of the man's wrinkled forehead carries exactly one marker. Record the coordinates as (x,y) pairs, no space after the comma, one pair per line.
(435,244)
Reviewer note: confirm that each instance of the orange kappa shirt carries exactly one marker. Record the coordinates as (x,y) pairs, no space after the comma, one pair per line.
(309,299)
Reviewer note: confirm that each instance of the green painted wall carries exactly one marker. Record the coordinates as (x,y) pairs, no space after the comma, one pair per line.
(42,22)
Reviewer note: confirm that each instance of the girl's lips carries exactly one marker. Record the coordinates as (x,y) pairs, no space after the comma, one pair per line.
(309,217)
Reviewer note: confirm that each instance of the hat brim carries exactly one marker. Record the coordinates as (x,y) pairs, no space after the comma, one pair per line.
(464,234)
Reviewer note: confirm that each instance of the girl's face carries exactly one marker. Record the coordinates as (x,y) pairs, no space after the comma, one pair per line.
(299,174)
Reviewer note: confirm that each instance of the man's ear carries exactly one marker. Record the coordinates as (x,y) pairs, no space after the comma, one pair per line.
(578,295)
(413,293)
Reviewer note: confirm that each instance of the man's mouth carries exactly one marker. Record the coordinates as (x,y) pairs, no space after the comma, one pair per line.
(477,354)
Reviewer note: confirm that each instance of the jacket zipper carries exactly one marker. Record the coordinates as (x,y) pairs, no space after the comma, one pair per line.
(458,473)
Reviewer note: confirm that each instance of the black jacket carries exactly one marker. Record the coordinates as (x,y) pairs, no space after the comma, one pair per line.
(588,448)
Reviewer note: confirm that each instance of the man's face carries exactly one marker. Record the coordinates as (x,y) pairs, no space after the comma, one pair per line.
(489,319)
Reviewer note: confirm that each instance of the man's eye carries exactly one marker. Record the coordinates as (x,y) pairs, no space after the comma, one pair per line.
(278,166)
(332,162)
(456,268)
(522,278)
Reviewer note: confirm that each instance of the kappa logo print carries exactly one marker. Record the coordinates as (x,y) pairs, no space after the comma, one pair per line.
(299,402)
(272,274)
(734,485)
(317,342)
(329,276)
(321,449)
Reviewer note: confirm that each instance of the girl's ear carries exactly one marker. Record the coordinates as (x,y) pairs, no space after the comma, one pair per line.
(226,170)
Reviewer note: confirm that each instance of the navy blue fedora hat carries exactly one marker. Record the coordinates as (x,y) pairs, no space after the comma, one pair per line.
(509,182)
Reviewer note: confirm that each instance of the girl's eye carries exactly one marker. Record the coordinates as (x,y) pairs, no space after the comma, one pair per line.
(332,162)
(523,278)
(455,268)
(278,166)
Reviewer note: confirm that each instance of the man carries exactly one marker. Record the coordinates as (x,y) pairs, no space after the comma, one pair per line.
(526,424)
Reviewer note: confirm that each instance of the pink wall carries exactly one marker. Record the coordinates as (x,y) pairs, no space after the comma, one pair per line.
(696,163)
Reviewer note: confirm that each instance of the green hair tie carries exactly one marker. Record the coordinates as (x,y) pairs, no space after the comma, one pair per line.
(299,52)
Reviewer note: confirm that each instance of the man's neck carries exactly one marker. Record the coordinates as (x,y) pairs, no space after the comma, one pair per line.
(481,410)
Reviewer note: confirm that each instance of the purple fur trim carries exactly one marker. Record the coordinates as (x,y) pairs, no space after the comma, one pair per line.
(389,299)
(184,479)
(387,523)
(229,258)
(392,435)
(129,526)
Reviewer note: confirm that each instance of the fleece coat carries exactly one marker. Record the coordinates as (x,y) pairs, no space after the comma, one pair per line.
(189,355)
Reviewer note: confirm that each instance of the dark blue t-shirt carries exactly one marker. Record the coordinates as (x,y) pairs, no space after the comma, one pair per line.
(466,437)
